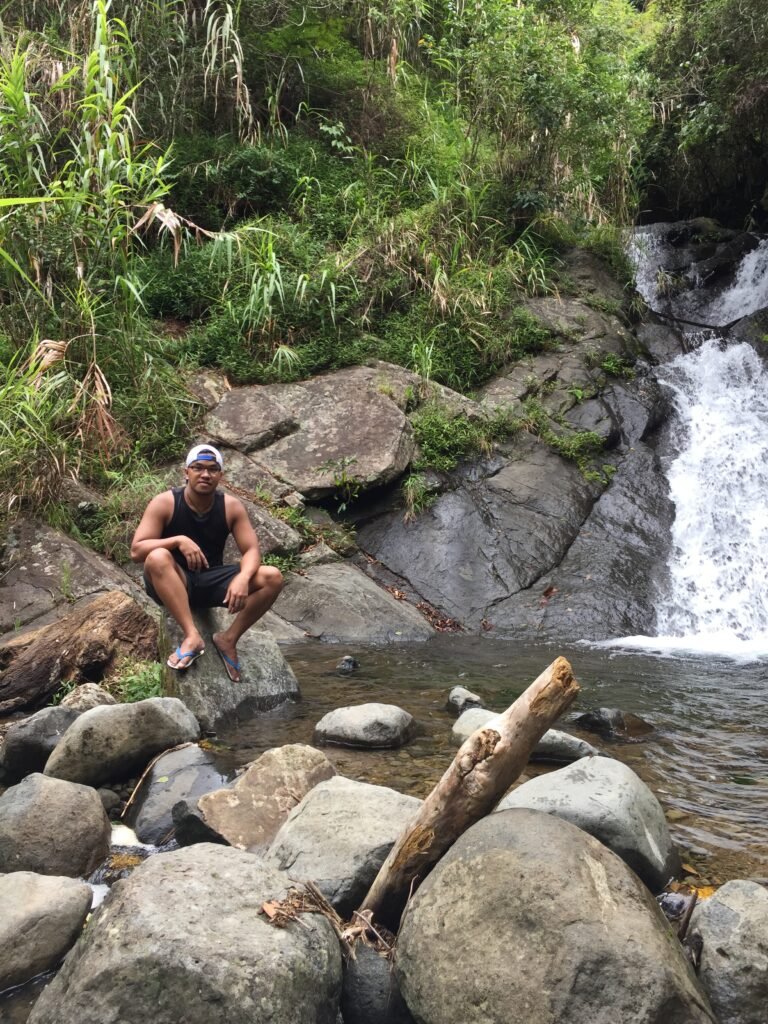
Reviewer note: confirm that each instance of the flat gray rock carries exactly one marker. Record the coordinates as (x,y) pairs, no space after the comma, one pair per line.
(52,827)
(339,602)
(733,926)
(366,726)
(30,742)
(339,836)
(249,418)
(528,918)
(183,939)
(605,798)
(42,919)
(111,742)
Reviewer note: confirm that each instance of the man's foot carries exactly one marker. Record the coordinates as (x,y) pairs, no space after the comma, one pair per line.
(228,654)
(189,650)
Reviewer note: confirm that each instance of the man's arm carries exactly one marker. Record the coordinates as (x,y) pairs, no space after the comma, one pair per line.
(148,535)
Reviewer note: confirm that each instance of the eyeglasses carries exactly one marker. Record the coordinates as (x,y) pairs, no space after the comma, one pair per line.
(205,469)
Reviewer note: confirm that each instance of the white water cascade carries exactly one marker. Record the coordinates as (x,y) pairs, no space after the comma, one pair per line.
(715,599)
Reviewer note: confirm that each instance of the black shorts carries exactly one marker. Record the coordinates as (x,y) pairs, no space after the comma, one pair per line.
(206,589)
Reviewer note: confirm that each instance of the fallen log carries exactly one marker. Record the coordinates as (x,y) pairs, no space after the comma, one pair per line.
(485,767)
(80,647)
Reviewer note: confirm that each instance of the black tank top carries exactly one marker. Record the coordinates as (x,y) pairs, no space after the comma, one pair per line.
(209,532)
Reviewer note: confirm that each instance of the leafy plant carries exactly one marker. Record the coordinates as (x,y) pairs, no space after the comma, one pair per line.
(137,680)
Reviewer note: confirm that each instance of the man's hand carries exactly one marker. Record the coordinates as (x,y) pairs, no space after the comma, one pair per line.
(237,593)
(196,560)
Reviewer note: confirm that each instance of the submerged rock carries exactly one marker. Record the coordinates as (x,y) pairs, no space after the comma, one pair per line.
(614,724)
(366,725)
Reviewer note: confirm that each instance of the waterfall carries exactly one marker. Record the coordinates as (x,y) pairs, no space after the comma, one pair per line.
(716,596)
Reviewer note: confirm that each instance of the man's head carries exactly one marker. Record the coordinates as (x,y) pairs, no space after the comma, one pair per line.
(204,464)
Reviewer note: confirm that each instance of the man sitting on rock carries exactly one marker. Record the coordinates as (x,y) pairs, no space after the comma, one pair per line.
(180,540)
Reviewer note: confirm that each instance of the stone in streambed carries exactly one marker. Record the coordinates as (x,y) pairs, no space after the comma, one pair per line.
(460,699)
(52,827)
(529,918)
(41,920)
(733,927)
(381,726)
(30,742)
(183,939)
(605,798)
(613,724)
(555,745)
(109,743)
(339,836)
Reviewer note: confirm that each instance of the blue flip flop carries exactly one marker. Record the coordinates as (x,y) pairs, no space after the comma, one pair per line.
(181,655)
(228,663)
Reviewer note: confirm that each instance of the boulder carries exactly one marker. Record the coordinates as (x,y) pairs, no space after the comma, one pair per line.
(275,535)
(339,836)
(113,742)
(470,721)
(52,827)
(554,745)
(249,813)
(183,939)
(87,696)
(460,699)
(370,993)
(248,419)
(30,742)
(42,919)
(183,774)
(370,726)
(266,679)
(606,799)
(733,928)
(529,918)
(339,602)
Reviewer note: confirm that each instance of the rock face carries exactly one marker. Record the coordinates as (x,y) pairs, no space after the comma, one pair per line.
(605,798)
(338,602)
(109,743)
(42,918)
(339,836)
(184,774)
(29,743)
(365,725)
(249,813)
(182,939)
(733,925)
(496,930)
(266,680)
(52,827)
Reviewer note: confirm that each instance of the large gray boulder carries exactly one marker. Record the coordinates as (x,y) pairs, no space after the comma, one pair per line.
(248,419)
(30,742)
(733,927)
(183,939)
(42,919)
(339,602)
(249,813)
(266,678)
(111,742)
(529,918)
(339,836)
(373,726)
(605,798)
(52,827)
(183,774)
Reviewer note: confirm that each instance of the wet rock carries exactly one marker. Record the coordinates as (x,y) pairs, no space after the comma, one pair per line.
(249,812)
(606,799)
(370,993)
(111,742)
(184,774)
(42,919)
(469,721)
(460,699)
(579,940)
(183,939)
(87,696)
(554,745)
(614,724)
(30,742)
(266,678)
(52,827)
(339,836)
(733,928)
(338,602)
(347,665)
(366,726)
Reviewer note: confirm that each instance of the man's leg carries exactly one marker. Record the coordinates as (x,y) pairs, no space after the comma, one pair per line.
(264,588)
(170,585)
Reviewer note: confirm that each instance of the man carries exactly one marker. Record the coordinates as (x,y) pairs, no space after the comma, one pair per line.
(180,540)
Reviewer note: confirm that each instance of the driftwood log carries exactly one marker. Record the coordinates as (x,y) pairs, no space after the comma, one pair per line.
(82,646)
(486,765)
